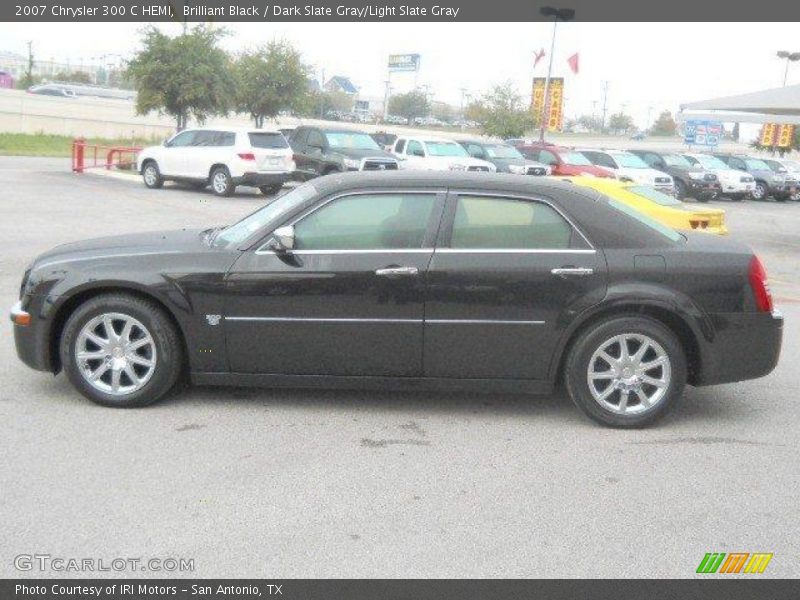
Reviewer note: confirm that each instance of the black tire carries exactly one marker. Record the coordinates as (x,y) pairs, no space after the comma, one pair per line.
(169,357)
(781,197)
(271,190)
(681,190)
(760,191)
(151,175)
(222,182)
(592,339)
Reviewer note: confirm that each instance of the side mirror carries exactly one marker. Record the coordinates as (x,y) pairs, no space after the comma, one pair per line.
(165,143)
(283,238)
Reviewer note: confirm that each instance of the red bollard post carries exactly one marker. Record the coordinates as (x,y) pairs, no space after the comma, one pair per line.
(78,148)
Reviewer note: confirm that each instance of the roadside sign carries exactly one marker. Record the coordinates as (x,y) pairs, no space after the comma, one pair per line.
(403,62)
(702,133)
(555,102)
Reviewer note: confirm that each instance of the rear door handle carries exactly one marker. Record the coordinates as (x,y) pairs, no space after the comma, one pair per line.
(397,272)
(572,271)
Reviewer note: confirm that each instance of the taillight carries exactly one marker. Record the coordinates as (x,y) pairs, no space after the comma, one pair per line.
(695,224)
(760,286)
(247,156)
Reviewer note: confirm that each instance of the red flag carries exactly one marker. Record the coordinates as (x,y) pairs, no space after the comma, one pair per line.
(573,63)
(537,56)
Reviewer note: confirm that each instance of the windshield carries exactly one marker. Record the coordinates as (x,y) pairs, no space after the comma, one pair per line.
(645,220)
(676,160)
(575,159)
(630,161)
(267,140)
(502,151)
(653,195)
(445,149)
(240,231)
(710,162)
(352,140)
(756,165)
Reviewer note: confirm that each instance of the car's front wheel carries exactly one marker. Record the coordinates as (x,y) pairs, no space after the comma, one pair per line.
(121,351)
(626,371)
(151,175)
(681,190)
(222,182)
(760,191)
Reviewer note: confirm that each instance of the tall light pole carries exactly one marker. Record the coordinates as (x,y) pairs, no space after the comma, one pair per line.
(558,14)
(790,57)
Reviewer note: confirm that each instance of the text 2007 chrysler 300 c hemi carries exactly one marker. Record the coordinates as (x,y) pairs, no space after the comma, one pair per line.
(439,280)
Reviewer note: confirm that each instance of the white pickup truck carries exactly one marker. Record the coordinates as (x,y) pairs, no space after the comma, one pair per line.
(429,153)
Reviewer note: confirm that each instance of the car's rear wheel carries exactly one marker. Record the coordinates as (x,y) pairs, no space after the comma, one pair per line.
(121,351)
(151,175)
(760,191)
(270,190)
(222,182)
(626,371)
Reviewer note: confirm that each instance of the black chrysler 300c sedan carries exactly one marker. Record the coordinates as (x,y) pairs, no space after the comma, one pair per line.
(443,280)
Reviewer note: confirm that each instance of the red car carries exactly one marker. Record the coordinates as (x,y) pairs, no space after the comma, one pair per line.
(564,161)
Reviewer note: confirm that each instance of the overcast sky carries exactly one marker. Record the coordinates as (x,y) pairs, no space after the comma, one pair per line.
(658,65)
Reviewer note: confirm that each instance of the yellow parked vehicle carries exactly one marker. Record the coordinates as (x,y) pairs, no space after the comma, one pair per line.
(659,206)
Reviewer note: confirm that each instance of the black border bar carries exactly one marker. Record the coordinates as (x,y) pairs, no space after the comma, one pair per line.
(730,588)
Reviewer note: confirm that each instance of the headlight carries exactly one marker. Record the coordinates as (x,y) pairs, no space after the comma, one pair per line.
(352,163)
(518,169)
(458,167)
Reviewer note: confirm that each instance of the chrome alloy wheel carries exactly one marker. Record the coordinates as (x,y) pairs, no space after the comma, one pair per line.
(150,175)
(115,354)
(629,374)
(220,182)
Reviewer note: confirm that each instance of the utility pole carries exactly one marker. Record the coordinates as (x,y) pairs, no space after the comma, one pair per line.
(386,95)
(605,106)
(558,14)
(790,57)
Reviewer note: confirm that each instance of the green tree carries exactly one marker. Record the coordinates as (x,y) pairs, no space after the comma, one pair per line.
(28,79)
(503,113)
(620,122)
(410,105)
(188,76)
(664,125)
(270,80)
(590,122)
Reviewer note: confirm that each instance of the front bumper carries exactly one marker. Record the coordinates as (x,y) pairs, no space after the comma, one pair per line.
(259,178)
(31,340)
(744,346)
(705,189)
(737,187)
(782,190)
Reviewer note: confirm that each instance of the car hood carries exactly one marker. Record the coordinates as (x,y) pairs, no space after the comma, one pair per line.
(446,161)
(136,244)
(362,153)
(585,170)
(642,175)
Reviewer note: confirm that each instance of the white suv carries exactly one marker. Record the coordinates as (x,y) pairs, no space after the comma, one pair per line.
(220,157)
(626,166)
(428,153)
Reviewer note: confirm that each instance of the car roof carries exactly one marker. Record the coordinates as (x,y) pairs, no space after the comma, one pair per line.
(232,129)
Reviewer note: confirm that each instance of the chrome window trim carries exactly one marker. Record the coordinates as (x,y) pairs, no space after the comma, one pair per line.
(467,192)
(262,249)
(481,322)
(513,251)
(353,251)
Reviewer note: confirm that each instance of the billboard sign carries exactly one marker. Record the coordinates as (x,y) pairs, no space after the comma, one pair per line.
(555,105)
(403,62)
(702,133)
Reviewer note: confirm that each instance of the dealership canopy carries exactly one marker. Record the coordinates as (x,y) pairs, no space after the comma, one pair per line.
(777,105)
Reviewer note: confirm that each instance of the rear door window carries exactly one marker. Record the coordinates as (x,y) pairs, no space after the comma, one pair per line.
(274,141)
(508,223)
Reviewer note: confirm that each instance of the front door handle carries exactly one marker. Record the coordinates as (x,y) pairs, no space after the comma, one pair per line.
(397,272)
(572,271)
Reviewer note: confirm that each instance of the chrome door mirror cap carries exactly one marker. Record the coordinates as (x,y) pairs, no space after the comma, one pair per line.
(283,238)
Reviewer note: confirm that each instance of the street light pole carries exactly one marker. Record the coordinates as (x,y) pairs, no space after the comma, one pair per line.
(558,14)
(790,57)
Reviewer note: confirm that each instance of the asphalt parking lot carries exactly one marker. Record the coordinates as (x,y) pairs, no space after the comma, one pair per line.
(362,484)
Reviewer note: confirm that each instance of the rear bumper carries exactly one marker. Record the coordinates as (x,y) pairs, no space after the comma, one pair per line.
(257,179)
(744,346)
